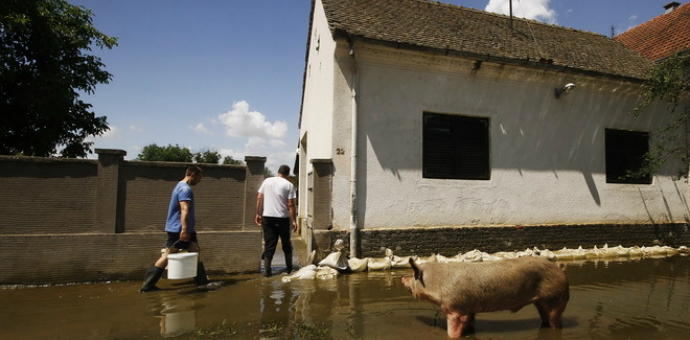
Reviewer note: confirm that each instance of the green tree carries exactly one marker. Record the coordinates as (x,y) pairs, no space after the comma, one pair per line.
(669,81)
(230,160)
(153,152)
(207,156)
(268,172)
(43,67)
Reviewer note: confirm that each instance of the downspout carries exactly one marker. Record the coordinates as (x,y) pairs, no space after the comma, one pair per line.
(354,230)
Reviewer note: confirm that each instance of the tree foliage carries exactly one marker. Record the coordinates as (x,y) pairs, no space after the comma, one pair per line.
(232,161)
(176,153)
(669,82)
(153,152)
(207,156)
(43,68)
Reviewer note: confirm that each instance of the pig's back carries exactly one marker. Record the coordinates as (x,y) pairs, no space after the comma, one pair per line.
(491,286)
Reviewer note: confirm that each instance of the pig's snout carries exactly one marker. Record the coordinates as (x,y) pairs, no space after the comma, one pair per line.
(407,281)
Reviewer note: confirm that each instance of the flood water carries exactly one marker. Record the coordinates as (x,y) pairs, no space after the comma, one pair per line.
(632,299)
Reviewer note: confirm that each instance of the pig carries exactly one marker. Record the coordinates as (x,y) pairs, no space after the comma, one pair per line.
(462,289)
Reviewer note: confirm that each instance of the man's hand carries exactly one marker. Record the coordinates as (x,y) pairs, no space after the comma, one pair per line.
(257,220)
(184,235)
(294,226)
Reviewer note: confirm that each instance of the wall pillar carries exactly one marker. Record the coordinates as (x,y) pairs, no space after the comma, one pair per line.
(255,176)
(319,210)
(109,211)
(322,186)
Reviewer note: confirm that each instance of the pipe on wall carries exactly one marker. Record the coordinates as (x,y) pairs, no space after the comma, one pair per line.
(354,230)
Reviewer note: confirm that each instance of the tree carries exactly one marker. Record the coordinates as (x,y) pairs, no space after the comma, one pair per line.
(230,160)
(43,68)
(268,172)
(669,81)
(207,156)
(153,152)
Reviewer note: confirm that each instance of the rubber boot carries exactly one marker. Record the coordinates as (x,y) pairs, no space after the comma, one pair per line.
(153,274)
(267,267)
(201,277)
(288,262)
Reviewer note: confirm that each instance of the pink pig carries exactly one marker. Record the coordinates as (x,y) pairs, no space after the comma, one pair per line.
(463,289)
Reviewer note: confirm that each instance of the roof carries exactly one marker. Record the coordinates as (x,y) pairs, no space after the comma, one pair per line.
(473,33)
(662,36)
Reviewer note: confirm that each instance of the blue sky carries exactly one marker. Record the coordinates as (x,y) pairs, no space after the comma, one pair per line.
(226,75)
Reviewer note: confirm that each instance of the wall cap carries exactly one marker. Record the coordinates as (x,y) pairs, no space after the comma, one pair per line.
(110,152)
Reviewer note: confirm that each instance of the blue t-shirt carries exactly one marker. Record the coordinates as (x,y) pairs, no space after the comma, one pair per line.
(182,192)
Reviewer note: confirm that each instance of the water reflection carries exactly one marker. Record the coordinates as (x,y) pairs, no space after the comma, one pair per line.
(178,316)
(610,299)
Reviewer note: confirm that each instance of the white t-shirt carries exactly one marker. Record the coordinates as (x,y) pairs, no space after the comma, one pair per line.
(277,191)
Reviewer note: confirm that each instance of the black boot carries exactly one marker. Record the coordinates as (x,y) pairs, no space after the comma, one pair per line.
(201,277)
(153,274)
(267,267)
(288,262)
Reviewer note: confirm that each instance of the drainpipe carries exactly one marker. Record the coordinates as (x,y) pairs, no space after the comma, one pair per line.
(354,230)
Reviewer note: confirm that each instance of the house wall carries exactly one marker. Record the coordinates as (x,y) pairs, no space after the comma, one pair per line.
(316,123)
(547,154)
(67,220)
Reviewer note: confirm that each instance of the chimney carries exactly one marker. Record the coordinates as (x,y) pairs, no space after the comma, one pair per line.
(670,7)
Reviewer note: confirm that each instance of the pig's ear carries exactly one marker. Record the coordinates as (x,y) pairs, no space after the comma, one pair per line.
(418,274)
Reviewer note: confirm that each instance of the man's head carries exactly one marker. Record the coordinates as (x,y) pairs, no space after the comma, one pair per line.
(195,174)
(284,170)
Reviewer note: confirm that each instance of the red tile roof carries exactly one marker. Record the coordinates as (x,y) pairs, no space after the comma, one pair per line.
(662,36)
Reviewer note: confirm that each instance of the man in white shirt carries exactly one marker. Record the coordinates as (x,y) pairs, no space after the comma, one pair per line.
(275,211)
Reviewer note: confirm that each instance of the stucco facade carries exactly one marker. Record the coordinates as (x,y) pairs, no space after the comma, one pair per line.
(363,109)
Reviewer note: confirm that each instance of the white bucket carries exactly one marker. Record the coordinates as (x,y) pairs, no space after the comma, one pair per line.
(182,265)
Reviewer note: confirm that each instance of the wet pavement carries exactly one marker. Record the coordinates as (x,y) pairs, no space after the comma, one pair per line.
(613,299)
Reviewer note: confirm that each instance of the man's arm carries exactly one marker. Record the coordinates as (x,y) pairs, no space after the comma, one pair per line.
(259,208)
(184,214)
(293,214)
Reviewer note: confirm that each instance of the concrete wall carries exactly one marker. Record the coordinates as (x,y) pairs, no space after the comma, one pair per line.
(67,220)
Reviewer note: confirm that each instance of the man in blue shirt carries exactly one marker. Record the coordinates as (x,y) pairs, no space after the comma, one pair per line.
(180,226)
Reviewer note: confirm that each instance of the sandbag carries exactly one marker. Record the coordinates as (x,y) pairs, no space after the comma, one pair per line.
(337,261)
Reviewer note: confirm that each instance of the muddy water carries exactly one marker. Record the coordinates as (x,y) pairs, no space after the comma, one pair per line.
(641,299)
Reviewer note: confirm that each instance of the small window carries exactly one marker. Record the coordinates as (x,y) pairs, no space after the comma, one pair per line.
(625,152)
(455,147)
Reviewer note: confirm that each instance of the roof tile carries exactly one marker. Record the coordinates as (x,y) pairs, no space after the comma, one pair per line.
(662,36)
(436,25)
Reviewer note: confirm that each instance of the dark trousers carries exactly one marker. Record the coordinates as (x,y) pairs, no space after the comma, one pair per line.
(274,228)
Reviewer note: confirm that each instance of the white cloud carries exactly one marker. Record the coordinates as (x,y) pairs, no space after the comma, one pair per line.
(278,143)
(112,134)
(530,9)
(200,128)
(135,128)
(261,137)
(255,146)
(240,122)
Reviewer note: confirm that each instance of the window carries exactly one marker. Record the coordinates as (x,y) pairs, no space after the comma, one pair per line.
(624,155)
(455,147)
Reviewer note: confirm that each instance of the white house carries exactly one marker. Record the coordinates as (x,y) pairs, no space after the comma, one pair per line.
(419,115)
